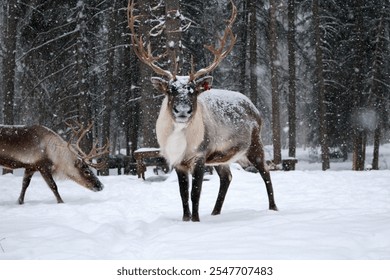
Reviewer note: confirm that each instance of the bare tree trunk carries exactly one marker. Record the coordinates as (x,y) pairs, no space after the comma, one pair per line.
(133,125)
(377,95)
(84,98)
(292,142)
(375,156)
(253,51)
(358,155)
(109,93)
(243,53)
(149,104)
(148,110)
(173,34)
(321,89)
(9,64)
(274,85)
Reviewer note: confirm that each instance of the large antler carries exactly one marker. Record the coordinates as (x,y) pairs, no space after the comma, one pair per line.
(144,55)
(78,133)
(221,52)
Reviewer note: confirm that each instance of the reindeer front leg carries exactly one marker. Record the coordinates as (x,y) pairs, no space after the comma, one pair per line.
(46,174)
(183,185)
(197,181)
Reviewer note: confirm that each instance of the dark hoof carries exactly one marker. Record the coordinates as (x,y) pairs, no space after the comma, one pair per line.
(274,208)
(186,218)
(195,218)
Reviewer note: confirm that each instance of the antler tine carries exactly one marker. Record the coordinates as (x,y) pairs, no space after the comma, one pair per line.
(219,53)
(73,136)
(83,132)
(138,46)
(77,136)
(97,152)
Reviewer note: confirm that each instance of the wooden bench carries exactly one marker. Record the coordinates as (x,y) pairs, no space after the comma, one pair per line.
(143,158)
(289,164)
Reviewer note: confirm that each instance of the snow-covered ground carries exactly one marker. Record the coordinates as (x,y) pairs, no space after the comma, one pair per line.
(338,214)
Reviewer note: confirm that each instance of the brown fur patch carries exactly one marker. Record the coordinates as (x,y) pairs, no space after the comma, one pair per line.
(219,157)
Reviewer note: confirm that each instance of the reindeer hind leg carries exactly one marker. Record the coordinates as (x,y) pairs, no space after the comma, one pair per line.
(225,177)
(264,172)
(28,173)
(256,157)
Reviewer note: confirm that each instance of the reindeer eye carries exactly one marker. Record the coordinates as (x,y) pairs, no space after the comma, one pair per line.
(173,91)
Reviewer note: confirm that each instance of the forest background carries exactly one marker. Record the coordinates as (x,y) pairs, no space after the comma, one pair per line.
(318,71)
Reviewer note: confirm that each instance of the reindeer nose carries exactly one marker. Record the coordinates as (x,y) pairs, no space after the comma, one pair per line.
(182,111)
(98,187)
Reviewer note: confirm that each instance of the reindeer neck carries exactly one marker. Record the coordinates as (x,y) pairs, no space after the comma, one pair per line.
(179,140)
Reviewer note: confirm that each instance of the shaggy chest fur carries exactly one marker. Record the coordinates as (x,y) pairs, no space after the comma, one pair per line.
(175,148)
(179,142)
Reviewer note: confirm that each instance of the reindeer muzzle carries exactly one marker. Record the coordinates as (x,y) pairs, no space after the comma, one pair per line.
(98,187)
(182,113)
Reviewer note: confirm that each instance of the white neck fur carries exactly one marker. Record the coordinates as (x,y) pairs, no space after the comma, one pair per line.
(178,140)
(176,145)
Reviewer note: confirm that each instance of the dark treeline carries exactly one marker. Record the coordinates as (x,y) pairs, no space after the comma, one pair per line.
(319,71)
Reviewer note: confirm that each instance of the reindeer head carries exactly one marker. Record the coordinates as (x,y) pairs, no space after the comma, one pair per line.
(182,95)
(182,91)
(81,172)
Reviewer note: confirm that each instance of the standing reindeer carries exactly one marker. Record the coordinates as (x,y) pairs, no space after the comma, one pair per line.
(199,126)
(37,148)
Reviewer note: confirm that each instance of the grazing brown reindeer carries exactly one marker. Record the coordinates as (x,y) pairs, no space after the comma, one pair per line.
(37,148)
(199,126)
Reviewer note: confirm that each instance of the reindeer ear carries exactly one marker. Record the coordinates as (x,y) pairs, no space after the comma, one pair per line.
(204,83)
(160,84)
(78,163)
